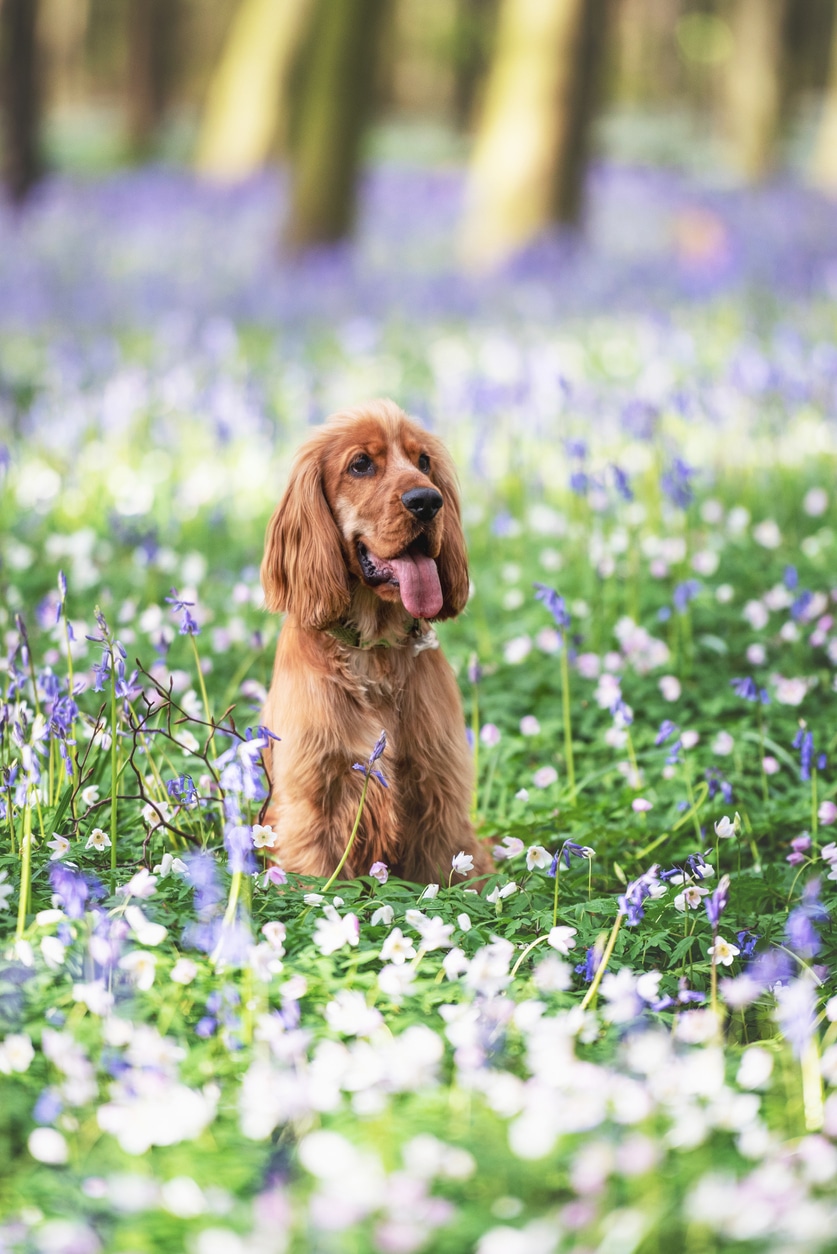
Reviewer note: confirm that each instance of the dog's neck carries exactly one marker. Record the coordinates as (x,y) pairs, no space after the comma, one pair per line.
(371,623)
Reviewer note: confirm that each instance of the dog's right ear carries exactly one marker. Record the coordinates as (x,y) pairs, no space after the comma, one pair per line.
(303,570)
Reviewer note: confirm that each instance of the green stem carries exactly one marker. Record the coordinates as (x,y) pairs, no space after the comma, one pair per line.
(606,956)
(211,741)
(568,733)
(351,840)
(25,871)
(114,771)
(475,733)
(527,951)
(812,1087)
(555,893)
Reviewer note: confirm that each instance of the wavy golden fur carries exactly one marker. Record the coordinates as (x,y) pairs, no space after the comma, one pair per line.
(370,521)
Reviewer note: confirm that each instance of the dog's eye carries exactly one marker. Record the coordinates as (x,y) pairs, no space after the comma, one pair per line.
(424,463)
(362,465)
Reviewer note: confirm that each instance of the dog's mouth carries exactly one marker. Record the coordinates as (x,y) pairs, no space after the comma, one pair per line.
(412,571)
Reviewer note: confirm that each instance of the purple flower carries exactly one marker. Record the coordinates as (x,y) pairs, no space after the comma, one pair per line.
(665,730)
(630,902)
(716,904)
(554,603)
(796,1011)
(568,847)
(804,742)
(238,842)
(368,767)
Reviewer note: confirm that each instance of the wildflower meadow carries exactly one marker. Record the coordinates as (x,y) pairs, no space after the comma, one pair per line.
(626,1039)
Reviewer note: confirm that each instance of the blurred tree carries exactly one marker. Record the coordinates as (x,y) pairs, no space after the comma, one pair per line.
(755,88)
(533,142)
(824,164)
(19,97)
(151,38)
(473,26)
(247,104)
(62,26)
(336,93)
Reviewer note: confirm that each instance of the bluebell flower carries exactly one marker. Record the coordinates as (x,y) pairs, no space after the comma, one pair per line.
(182,789)
(747,941)
(804,742)
(48,1106)
(800,605)
(554,603)
(579,483)
(368,767)
(590,965)
(622,483)
(665,730)
(745,687)
(631,901)
(790,578)
(568,847)
(238,842)
(676,483)
(716,903)
(684,593)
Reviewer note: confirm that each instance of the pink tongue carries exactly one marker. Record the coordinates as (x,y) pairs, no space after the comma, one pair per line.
(418,580)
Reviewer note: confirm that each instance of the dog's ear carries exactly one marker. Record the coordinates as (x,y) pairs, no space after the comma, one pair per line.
(452,562)
(303,570)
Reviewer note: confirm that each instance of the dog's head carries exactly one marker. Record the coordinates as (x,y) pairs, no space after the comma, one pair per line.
(372,499)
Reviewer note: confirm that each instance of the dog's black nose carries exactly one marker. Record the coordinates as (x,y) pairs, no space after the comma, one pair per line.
(424,503)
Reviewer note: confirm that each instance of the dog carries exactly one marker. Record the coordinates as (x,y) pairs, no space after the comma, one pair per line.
(364,552)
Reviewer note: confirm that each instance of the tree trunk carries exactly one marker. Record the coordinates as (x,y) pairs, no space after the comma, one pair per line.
(151,29)
(471,38)
(824,164)
(247,105)
(336,97)
(533,143)
(19,97)
(754,84)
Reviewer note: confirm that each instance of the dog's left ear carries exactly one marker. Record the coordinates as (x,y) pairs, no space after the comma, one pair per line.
(303,570)
(452,562)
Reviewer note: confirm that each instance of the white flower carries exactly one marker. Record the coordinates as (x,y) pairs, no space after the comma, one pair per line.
(397,948)
(462,863)
(98,840)
(170,866)
(690,897)
(95,997)
(755,612)
(59,845)
(767,534)
(334,931)
(723,953)
(561,938)
(544,776)
(90,795)
(529,725)
(146,932)
(641,805)
(264,836)
(384,914)
(432,890)
(725,828)
(274,933)
(689,738)
(154,813)
(670,687)
(142,884)
(436,934)
(184,971)
(490,735)
(48,1146)
(522,794)
(723,744)
(498,893)
(815,502)
(264,962)
(537,856)
(510,848)
(349,1014)
(517,650)
(53,951)
(141,967)
(379,871)
(463,922)
(455,963)
(790,691)
(395,981)
(16,1053)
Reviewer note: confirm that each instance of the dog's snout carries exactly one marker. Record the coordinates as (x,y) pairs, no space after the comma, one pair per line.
(423,503)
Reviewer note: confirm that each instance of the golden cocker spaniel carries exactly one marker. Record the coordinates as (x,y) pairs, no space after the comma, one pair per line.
(364,551)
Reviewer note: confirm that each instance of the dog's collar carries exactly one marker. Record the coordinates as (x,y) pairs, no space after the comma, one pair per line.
(350,637)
